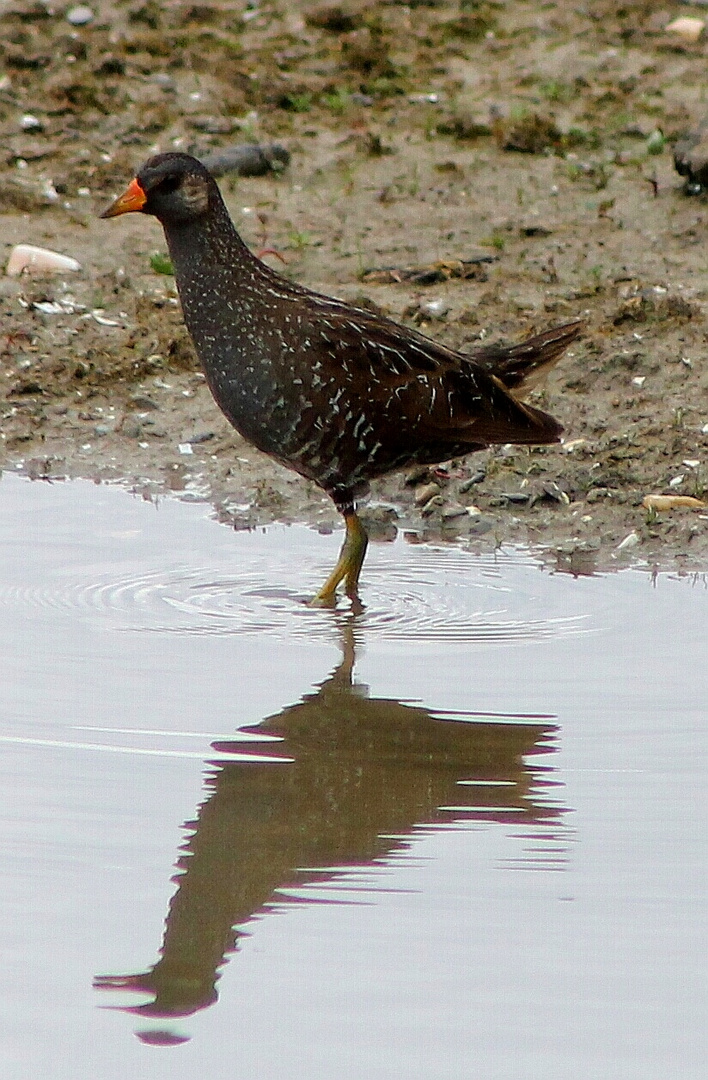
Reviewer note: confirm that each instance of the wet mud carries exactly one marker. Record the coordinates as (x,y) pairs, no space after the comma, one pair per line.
(517,158)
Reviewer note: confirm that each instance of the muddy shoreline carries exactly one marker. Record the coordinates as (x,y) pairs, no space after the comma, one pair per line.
(437,147)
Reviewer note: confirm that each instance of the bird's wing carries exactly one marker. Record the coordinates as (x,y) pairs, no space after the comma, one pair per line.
(418,382)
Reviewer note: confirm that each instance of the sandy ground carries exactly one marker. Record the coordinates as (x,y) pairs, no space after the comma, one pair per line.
(537,135)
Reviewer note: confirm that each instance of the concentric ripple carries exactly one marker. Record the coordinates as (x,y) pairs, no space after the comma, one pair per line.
(99,553)
(410,592)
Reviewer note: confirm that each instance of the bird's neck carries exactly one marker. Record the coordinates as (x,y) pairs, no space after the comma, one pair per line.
(208,253)
(228,301)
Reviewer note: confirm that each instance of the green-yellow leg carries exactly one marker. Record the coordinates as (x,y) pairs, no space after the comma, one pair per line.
(349,563)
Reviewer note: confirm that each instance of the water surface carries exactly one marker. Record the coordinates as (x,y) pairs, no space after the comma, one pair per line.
(459,835)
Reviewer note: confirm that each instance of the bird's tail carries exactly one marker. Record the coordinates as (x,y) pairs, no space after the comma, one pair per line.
(521,367)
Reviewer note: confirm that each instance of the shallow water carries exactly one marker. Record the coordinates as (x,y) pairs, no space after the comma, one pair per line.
(459,835)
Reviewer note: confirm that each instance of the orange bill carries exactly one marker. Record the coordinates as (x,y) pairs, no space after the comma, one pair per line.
(132,199)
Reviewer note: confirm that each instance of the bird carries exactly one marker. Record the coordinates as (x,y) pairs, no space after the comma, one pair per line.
(336,392)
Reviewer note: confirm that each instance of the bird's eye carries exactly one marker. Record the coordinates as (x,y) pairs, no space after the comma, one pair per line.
(168,185)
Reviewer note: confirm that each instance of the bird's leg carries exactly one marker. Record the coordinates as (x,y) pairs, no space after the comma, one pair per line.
(349,563)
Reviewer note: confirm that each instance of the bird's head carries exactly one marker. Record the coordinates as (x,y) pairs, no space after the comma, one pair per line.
(174,188)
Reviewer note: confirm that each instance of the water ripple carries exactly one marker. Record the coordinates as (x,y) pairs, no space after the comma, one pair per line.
(410,591)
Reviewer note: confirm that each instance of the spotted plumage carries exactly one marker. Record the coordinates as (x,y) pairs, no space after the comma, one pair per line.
(335,392)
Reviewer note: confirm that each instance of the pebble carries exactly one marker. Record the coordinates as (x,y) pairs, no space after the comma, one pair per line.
(421,472)
(656,142)
(535,228)
(476,478)
(212,125)
(425,493)
(132,428)
(454,511)
(247,159)
(163,80)
(380,514)
(27,257)
(554,491)
(480,525)
(434,309)
(79,15)
(31,123)
(142,401)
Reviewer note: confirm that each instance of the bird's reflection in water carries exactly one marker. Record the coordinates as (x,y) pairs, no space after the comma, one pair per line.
(364,772)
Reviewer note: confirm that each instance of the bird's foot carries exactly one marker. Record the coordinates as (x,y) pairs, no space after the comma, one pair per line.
(348,567)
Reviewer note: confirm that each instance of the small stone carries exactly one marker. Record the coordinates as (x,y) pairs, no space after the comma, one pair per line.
(143,402)
(131,428)
(656,142)
(247,159)
(480,525)
(163,80)
(212,125)
(426,492)
(555,491)
(79,15)
(421,472)
(29,122)
(379,514)
(476,478)
(434,309)
(535,228)
(454,511)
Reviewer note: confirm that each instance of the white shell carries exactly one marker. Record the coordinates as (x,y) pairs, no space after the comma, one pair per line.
(670,502)
(629,542)
(37,260)
(687,27)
